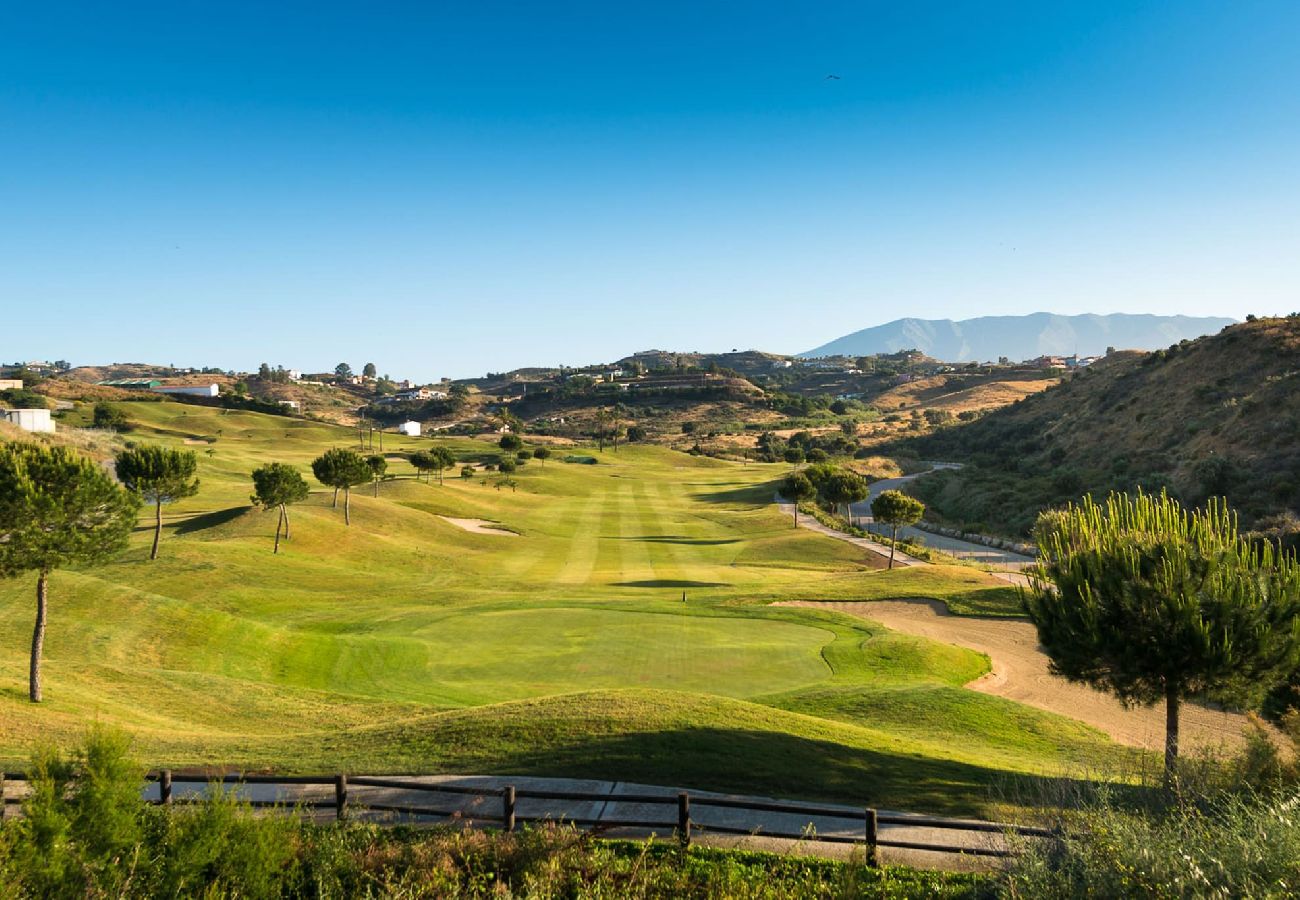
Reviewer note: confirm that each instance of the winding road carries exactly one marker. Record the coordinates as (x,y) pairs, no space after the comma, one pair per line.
(970,550)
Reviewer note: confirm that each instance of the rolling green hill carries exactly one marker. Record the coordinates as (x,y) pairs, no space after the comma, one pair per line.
(563,646)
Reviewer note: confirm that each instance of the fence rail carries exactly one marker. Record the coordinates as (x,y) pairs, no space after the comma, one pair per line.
(683,825)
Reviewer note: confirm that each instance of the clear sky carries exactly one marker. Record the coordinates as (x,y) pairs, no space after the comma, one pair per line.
(449,188)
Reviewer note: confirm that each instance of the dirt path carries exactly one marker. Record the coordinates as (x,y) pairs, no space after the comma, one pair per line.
(1019,672)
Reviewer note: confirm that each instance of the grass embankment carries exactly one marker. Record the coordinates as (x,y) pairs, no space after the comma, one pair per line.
(404,643)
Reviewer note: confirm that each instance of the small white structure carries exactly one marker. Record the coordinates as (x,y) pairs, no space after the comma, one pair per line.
(29,419)
(294,375)
(291,404)
(195,390)
(410,429)
(11,384)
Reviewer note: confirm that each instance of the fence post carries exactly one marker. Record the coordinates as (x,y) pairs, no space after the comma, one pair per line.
(3,806)
(340,796)
(508,808)
(872,834)
(165,787)
(684,818)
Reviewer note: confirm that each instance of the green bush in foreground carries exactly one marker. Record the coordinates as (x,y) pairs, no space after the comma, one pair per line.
(86,832)
(1235,846)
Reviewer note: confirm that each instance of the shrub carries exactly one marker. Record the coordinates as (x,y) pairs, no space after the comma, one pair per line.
(108,416)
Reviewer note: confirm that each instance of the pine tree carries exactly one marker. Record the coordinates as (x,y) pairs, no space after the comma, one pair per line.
(159,476)
(1148,601)
(56,508)
(278,484)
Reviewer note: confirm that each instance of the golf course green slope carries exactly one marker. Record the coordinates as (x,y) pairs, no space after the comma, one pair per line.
(615,626)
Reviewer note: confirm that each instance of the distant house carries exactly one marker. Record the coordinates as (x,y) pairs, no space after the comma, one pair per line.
(410,429)
(193,390)
(29,419)
(420,394)
(11,384)
(291,404)
(294,375)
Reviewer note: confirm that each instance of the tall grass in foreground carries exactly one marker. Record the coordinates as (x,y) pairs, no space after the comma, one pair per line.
(86,832)
(1227,827)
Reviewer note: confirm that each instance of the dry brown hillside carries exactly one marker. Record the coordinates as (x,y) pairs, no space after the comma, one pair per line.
(1215,416)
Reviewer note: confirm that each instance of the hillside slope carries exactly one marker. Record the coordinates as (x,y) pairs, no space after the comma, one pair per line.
(1216,416)
(1021,337)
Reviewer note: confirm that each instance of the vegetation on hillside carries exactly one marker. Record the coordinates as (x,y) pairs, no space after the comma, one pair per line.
(1213,417)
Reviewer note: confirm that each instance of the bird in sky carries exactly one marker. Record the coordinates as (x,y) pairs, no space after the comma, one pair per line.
(832,78)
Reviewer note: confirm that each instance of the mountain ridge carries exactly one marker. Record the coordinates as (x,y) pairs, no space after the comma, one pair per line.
(987,338)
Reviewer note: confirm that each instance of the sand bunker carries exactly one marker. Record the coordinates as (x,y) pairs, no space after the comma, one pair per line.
(480,526)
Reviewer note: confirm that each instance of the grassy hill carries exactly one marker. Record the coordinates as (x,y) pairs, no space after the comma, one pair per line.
(1214,416)
(405,643)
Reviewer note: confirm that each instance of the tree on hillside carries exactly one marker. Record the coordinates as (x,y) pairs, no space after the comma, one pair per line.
(1148,601)
(845,487)
(56,508)
(369,370)
(343,370)
(506,465)
(896,510)
(422,461)
(440,459)
(158,475)
(510,442)
(341,469)
(792,455)
(378,465)
(278,484)
(108,416)
(542,453)
(797,489)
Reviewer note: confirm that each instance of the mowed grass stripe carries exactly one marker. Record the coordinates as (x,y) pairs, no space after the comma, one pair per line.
(634,525)
(584,543)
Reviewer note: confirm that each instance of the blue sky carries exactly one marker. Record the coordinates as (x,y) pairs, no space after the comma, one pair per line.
(445,189)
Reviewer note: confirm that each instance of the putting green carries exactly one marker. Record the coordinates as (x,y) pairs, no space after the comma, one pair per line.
(551,651)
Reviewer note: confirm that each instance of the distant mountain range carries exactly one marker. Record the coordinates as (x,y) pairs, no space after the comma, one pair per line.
(1021,337)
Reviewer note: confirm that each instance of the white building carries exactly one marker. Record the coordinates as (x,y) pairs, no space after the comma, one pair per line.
(194,390)
(410,429)
(11,384)
(291,404)
(294,375)
(29,419)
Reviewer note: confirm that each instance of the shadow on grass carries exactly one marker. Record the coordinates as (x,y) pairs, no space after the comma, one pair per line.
(680,539)
(754,494)
(210,520)
(669,583)
(747,762)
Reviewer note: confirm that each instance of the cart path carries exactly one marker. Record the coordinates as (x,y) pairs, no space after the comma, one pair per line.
(1020,672)
(880,550)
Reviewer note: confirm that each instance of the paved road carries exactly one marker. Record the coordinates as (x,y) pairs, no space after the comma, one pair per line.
(992,556)
(610,811)
(900,558)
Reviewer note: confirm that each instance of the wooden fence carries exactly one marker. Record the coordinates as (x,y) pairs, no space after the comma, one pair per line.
(681,825)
